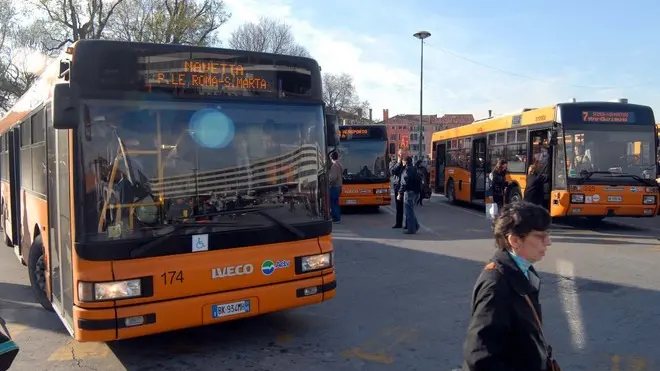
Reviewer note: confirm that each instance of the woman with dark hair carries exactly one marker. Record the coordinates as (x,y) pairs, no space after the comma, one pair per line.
(504,332)
(498,182)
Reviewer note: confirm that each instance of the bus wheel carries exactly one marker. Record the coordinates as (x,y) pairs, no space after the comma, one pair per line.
(451,192)
(37,273)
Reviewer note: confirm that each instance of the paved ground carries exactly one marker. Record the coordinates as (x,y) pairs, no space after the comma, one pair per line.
(402,304)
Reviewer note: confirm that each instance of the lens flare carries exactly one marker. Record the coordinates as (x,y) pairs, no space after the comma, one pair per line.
(211,128)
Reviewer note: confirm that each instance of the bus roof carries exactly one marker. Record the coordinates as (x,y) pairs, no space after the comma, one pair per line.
(39,93)
(528,117)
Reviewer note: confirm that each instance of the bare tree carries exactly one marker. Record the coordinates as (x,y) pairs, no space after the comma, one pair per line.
(68,21)
(341,97)
(339,92)
(192,22)
(267,35)
(15,79)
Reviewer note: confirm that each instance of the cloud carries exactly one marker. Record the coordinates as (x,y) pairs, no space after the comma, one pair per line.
(384,59)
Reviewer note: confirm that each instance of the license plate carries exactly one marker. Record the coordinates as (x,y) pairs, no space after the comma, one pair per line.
(614,198)
(230,309)
(350,202)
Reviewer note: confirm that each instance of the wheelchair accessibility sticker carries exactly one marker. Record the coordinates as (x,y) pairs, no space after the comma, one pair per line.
(200,242)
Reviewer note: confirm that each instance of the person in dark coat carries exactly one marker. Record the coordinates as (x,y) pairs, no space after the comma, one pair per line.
(534,191)
(498,182)
(395,170)
(408,191)
(503,334)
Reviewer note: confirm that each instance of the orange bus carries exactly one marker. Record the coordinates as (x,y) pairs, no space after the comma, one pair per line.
(153,187)
(363,154)
(599,158)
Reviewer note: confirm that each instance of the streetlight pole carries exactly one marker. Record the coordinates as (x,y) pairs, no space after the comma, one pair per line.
(421,35)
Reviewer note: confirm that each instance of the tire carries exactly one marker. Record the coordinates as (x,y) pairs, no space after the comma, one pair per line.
(451,192)
(37,273)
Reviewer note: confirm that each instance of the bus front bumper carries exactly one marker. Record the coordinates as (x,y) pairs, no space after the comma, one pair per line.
(611,210)
(153,318)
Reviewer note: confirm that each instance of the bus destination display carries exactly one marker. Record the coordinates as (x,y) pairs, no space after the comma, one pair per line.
(359,133)
(222,77)
(211,75)
(362,132)
(596,116)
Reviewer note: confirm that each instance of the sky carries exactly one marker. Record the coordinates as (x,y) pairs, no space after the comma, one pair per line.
(504,55)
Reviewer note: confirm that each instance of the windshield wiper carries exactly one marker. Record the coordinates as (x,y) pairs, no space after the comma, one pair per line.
(636,177)
(227,212)
(615,175)
(589,174)
(260,210)
(142,249)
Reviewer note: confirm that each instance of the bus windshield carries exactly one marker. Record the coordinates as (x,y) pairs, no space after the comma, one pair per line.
(600,152)
(148,164)
(363,160)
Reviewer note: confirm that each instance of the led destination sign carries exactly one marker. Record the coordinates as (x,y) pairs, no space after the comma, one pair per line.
(596,116)
(344,133)
(211,74)
(363,132)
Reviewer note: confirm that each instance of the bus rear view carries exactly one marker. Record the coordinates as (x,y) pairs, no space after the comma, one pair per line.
(610,161)
(363,154)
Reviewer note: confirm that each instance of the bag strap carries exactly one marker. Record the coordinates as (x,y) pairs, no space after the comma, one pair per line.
(4,327)
(538,322)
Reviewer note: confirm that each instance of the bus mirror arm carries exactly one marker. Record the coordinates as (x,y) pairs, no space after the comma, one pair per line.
(64,107)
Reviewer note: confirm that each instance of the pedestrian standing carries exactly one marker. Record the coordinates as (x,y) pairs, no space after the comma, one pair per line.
(498,182)
(534,185)
(395,171)
(408,191)
(336,181)
(504,332)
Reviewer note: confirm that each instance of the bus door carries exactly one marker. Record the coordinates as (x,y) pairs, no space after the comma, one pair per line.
(440,158)
(541,153)
(15,185)
(59,216)
(479,170)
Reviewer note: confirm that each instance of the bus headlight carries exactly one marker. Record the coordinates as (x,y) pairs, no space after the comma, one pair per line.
(577,198)
(382,191)
(648,200)
(314,262)
(98,291)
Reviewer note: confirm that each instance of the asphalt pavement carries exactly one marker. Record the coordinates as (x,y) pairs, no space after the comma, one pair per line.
(402,304)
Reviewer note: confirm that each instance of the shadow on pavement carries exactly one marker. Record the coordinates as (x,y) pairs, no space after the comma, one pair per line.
(402,309)
(18,306)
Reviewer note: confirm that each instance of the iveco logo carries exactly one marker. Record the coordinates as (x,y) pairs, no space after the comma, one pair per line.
(239,270)
(365,191)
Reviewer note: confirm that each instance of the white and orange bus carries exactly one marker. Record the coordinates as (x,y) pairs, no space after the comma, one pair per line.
(143,181)
(363,154)
(599,158)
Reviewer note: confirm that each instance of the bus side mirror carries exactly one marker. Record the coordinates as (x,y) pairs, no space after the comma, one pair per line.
(332,131)
(553,138)
(64,107)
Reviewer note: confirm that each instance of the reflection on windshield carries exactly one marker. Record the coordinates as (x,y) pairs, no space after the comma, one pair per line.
(617,152)
(149,164)
(363,159)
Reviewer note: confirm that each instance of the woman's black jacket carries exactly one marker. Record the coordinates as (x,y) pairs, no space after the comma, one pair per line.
(503,334)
